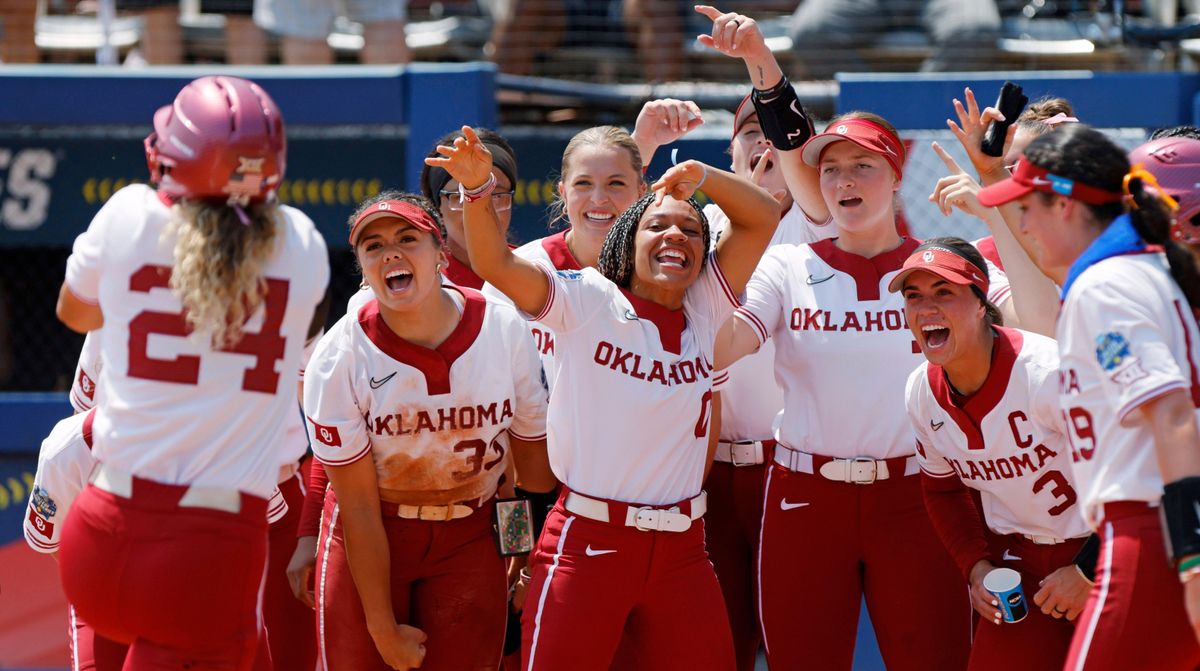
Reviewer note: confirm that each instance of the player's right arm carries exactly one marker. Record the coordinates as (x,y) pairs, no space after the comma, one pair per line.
(470,162)
(738,36)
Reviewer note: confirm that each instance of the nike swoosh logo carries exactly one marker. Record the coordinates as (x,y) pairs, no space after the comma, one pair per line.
(631,315)
(937,426)
(375,384)
(1008,556)
(595,553)
(784,505)
(817,280)
(1041,181)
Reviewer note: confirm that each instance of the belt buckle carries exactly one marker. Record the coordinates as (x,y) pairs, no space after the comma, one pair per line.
(862,460)
(733,453)
(637,518)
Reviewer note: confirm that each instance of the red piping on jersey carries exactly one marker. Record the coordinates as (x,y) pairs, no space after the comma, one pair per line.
(434,364)
(559,253)
(670,323)
(970,416)
(460,274)
(867,273)
(91,417)
(1187,343)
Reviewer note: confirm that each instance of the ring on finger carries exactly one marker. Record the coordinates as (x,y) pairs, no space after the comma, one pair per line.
(1059,612)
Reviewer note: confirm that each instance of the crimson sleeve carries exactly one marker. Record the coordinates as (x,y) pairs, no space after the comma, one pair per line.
(956,519)
(314,501)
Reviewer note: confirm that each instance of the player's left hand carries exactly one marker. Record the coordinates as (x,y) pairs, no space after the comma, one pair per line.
(680,181)
(958,189)
(664,121)
(467,161)
(1063,593)
(733,34)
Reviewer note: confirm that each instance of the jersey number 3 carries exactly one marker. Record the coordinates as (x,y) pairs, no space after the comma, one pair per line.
(266,346)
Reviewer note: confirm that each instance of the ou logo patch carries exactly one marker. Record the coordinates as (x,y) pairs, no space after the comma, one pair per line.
(385,205)
(841,130)
(326,434)
(927,257)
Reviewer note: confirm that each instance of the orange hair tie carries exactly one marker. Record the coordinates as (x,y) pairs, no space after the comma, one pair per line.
(1139,172)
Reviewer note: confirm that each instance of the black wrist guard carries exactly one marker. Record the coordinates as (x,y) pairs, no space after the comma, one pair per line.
(1086,558)
(781,116)
(1181,517)
(540,504)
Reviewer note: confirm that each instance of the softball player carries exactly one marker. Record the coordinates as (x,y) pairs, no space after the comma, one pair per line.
(1128,389)
(634,337)
(435,385)
(750,401)
(836,476)
(194,403)
(985,410)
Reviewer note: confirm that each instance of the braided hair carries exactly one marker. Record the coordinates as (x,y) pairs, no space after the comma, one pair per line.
(616,255)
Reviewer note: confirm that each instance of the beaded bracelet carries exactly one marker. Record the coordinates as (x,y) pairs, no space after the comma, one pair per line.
(484,190)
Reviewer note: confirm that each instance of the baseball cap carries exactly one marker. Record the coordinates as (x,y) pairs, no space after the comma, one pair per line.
(396,209)
(943,262)
(741,116)
(862,132)
(1029,177)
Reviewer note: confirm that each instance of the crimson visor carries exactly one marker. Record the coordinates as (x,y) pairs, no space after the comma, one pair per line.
(396,209)
(943,262)
(1029,177)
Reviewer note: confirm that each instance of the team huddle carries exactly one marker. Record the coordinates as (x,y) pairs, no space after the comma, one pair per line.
(661,438)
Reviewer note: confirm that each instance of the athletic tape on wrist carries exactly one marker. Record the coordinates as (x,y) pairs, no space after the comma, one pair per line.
(783,120)
(1181,517)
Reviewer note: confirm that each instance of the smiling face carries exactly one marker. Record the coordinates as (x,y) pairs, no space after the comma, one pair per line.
(946,318)
(599,184)
(668,247)
(400,262)
(456,237)
(747,149)
(858,187)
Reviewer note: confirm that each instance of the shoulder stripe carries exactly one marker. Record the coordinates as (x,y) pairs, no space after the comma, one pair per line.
(753,320)
(732,297)
(530,439)
(549,296)
(344,462)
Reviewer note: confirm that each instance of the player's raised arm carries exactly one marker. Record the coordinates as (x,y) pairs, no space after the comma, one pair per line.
(783,119)
(662,122)
(470,162)
(753,214)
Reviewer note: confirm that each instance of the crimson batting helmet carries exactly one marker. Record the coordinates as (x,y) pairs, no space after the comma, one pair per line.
(1175,163)
(223,138)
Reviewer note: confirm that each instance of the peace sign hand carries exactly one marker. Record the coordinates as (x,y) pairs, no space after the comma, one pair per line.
(468,161)
(970,129)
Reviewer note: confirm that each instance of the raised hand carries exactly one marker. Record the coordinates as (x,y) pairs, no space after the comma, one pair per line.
(958,189)
(970,129)
(680,182)
(467,161)
(665,121)
(733,34)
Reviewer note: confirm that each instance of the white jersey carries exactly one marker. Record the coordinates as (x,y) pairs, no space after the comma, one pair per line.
(1126,335)
(999,290)
(87,372)
(551,250)
(1006,440)
(632,381)
(176,410)
(436,422)
(752,399)
(65,462)
(842,347)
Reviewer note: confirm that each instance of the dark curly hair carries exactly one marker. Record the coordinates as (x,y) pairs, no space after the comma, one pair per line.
(616,255)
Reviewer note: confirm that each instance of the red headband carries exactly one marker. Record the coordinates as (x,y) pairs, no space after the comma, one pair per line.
(862,132)
(1029,177)
(943,262)
(397,209)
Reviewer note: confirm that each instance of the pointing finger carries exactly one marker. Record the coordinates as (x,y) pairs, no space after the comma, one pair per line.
(761,168)
(707,10)
(947,159)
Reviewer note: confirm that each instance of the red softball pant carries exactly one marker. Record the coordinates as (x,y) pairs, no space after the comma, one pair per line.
(92,652)
(1134,618)
(830,544)
(290,629)
(448,580)
(597,583)
(731,528)
(1039,642)
(180,584)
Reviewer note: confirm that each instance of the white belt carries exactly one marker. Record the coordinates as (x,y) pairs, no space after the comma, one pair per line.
(1043,540)
(740,452)
(643,518)
(446,513)
(859,470)
(120,483)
